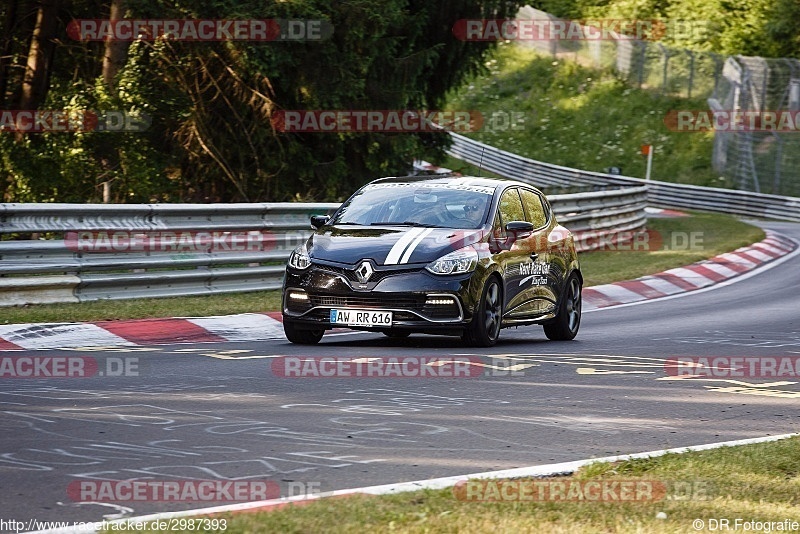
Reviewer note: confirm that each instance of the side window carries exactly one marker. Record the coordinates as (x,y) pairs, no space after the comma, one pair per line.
(510,207)
(534,208)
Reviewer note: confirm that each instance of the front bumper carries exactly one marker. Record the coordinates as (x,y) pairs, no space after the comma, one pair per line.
(419,301)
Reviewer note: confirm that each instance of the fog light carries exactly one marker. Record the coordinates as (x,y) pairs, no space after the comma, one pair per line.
(296,295)
(440,301)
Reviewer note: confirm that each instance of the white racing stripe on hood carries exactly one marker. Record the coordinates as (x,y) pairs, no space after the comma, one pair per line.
(413,246)
(397,250)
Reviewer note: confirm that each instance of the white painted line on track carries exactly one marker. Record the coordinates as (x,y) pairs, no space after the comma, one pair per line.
(563,468)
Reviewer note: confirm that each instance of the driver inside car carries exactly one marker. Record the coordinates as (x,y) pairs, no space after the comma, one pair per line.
(473,211)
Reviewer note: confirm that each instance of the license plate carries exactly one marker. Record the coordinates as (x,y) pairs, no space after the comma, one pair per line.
(353,317)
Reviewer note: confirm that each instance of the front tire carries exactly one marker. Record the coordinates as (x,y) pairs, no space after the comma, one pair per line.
(484,330)
(301,336)
(565,325)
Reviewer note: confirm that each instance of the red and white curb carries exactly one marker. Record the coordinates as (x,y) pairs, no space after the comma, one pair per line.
(699,275)
(267,326)
(224,328)
(564,468)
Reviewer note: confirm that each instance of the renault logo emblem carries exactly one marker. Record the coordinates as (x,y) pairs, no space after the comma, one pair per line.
(364,271)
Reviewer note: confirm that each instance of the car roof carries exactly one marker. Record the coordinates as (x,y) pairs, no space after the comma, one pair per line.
(477,181)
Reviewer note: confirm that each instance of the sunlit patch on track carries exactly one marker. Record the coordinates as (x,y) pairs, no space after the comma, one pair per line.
(588,424)
(753,339)
(775,393)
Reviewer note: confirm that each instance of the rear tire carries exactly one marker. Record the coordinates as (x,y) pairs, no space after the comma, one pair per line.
(484,330)
(565,325)
(301,336)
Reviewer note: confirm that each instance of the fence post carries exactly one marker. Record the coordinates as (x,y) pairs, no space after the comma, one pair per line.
(642,58)
(665,70)
(776,181)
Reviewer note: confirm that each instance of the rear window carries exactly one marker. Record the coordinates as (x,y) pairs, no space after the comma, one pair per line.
(534,208)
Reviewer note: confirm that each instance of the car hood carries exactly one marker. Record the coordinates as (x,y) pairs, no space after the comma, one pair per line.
(387,245)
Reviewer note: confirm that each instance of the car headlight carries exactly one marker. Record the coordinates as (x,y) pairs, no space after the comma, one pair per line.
(300,259)
(459,261)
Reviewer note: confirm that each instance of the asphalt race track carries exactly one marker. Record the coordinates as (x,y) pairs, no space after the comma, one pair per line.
(219,412)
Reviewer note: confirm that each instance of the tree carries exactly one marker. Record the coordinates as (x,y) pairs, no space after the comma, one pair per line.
(211,137)
(116,51)
(40,56)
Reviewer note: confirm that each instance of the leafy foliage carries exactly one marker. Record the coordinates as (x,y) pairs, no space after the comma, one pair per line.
(211,103)
(749,27)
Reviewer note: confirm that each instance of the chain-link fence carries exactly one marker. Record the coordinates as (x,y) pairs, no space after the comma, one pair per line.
(757,159)
(761,160)
(645,64)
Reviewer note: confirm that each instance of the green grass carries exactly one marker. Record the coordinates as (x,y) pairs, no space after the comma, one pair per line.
(585,118)
(716,234)
(720,233)
(754,482)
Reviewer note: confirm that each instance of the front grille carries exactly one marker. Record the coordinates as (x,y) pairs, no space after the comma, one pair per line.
(377,276)
(347,273)
(366,302)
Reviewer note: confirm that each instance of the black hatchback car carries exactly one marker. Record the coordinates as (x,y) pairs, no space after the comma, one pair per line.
(439,255)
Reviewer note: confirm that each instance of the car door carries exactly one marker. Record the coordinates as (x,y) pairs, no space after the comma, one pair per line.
(513,258)
(545,271)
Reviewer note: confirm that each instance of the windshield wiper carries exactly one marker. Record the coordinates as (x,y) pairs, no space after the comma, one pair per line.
(407,223)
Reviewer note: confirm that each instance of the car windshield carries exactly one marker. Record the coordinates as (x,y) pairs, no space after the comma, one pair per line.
(417,204)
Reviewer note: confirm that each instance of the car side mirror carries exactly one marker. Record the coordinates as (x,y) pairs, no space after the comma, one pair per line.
(514,230)
(519,230)
(318,221)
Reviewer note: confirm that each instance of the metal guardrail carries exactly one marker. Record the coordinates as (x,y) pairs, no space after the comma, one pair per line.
(601,213)
(123,264)
(61,270)
(661,194)
(58,269)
